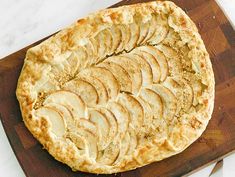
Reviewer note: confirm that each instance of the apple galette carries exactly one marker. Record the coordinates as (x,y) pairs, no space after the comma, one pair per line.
(119,89)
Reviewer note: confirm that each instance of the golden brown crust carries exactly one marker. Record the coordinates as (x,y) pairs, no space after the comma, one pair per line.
(74,102)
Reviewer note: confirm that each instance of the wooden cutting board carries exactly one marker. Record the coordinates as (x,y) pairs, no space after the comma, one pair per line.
(216,142)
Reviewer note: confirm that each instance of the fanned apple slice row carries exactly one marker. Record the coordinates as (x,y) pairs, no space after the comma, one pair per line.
(169,101)
(100,88)
(159,57)
(148,113)
(161,30)
(116,36)
(135,32)
(176,89)
(154,100)
(54,118)
(144,66)
(103,125)
(106,77)
(124,146)
(122,116)
(126,35)
(85,90)
(120,74)
(104,39)
(70,100)
(112,122)
(156,71)
(134,108)
(109,155)
(132,68)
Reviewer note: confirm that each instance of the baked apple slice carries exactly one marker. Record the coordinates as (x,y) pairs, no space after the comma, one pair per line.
(134,108)
(144,66)
(120,74)
(159,57)
(168,99)
(156,71)
(68,99)
(85,90)
(100,88)
(54,118)
(132,68)
(103,126)
(106,77)
(122,116)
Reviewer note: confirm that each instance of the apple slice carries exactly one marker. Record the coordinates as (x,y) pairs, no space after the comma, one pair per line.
(156,71)
(112,122)
(84,89)
(78,140)
(176,89)
(109,155)
(154,100)
(144,29)
(100,88)
(90,44)
(161,30)
(106,77)
(134,108)
(104,39)
(68,99)
(54,118)
(87,124)
(160,58)
(126,34)
(196,85)
(103,126)
(148,113)
(151,29)
(116,36)
(169,101)
(144,67)
(132,68)
(82,55)
(124,146)
(67,67)
(64,112)
(73,64)
(135,32)
(122,116)
(91,141)
(174,62)
(120,74)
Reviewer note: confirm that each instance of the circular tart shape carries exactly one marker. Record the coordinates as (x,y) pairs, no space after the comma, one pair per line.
(119,89)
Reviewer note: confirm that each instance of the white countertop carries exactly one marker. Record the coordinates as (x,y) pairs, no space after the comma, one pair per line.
(23,22)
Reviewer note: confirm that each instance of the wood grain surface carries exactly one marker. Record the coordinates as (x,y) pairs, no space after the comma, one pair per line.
(216,142)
